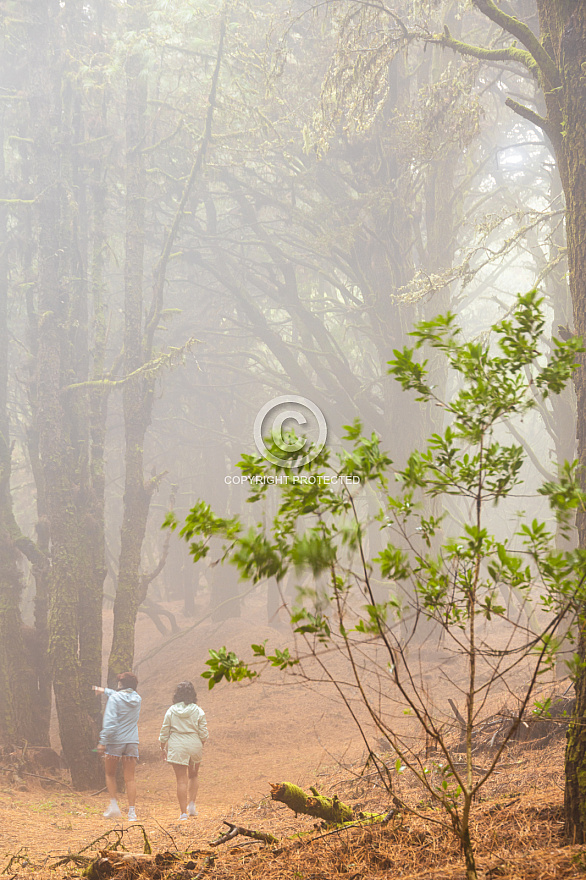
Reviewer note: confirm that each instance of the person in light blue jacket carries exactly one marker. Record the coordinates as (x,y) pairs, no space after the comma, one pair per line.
(119,739)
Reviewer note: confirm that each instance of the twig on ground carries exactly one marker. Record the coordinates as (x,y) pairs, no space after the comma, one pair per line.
(20,856)
(72,857)
(168,833)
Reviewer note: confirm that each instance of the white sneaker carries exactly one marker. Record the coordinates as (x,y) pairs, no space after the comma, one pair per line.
(183,816)
(131,814)
(191,808)
(113,811)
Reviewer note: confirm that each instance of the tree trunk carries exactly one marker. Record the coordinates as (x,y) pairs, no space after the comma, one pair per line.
(16,684)
(41,569)
(60,441)
(557,58)
(95,526)
(137,394)
(138,341)
(563,27)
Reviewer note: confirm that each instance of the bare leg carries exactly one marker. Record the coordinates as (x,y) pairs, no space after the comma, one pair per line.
(129,767)
(181,776)
(111,763)
(193,781)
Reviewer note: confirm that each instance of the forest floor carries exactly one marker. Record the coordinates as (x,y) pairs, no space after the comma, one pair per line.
(273,731)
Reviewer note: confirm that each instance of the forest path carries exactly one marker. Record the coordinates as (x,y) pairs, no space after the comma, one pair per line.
(279,728)
(267,731)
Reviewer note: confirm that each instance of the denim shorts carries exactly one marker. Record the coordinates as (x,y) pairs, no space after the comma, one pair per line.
(122,750)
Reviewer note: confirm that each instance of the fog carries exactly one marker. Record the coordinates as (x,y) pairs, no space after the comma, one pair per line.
(206,207)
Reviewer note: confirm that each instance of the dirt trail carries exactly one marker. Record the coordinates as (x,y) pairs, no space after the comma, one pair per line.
(270,730)
(262,732)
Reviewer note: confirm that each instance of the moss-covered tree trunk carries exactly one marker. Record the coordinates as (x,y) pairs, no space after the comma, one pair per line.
(87,409)
(61,415)
(563,77)
(24,679)
(40,569)
(563,26)
(557,57)
(16,673)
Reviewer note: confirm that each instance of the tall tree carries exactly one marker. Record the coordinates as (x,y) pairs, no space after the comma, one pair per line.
(62,413)
(139,336)
(556,58)
(17,673)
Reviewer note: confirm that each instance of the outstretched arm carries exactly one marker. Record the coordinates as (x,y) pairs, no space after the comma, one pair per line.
(110,718)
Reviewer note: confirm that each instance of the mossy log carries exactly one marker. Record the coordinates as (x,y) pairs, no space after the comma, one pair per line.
(330,810)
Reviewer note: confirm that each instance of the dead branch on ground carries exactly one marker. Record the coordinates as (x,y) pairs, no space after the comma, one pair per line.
(235,830)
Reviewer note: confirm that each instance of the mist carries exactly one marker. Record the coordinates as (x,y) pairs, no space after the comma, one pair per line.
(216,220)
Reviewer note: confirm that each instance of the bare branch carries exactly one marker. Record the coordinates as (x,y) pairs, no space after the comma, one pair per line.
(161,267)
(528,449)
(235,830)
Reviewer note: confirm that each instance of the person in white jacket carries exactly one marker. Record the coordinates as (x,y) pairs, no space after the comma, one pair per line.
(182,736)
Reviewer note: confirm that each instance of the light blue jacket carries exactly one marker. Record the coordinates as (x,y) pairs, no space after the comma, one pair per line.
(120,722)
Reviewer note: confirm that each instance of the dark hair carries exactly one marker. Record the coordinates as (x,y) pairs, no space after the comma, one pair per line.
(128,680)
(185,693)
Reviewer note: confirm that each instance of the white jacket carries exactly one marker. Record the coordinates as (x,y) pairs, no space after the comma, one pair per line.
(180,720)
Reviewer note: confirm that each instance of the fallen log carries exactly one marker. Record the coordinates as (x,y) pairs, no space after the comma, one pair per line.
(331,810)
